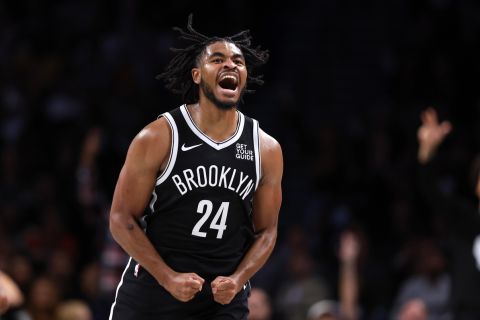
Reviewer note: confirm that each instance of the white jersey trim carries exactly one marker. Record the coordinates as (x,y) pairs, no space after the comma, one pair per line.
(118,289)
(173,149)
(214,144)
(256,148)
(153,201)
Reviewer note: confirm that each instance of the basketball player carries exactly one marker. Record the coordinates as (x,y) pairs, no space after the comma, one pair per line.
(197,201)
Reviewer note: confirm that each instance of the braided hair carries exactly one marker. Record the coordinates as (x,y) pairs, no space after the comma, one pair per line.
(177,75)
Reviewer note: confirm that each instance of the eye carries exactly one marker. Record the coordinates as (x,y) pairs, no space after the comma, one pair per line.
(239,62)
(217,60)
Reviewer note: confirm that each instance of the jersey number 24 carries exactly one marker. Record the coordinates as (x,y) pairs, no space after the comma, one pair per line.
(218,223)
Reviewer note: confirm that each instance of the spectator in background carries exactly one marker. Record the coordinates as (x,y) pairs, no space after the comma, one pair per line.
(459,217)
(347,308)
(73,310)
(302,287)
(21,269)
(259,305)
(429,284)
(43,299)
(414,309)
(323,310)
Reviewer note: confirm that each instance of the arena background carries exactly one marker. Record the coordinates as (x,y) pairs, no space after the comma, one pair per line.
(344,89)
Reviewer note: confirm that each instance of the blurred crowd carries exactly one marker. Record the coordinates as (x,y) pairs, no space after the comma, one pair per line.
(367,231)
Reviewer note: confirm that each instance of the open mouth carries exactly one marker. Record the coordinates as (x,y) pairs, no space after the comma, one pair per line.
(228,82)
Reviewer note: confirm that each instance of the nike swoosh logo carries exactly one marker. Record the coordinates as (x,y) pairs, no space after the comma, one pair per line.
(191,147)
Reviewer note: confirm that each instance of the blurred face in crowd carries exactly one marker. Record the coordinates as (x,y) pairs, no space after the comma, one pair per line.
(413,310)
(259,305)
(44,295)
(221,74)
(73,310)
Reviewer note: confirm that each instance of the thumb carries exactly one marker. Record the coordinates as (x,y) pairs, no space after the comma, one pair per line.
(446,127)
(197,277)
(195,283)
(214,287)
(216,284)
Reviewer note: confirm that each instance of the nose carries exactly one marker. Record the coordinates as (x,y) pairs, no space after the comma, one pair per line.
(229,64)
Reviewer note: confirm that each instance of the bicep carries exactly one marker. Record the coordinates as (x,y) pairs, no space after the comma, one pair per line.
(133,189)
(266,205)
(139,172)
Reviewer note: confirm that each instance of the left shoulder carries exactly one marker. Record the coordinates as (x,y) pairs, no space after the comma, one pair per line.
(268,144)
(272,158)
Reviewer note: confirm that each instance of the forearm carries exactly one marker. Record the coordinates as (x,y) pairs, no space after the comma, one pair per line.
(256,256)
(348,291)
(133,240)
(426,153)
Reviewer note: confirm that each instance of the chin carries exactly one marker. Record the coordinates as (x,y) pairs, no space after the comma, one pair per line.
(225,105)
(222,102)
(221,99)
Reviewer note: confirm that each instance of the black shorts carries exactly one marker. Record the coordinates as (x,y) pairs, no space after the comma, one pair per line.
(142,298)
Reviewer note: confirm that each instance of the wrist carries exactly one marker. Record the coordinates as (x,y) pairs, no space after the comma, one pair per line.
(165,276)
(349,263)
(425,154)
(239,281)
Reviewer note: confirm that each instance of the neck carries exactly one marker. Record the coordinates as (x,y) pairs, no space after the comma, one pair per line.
(218,124)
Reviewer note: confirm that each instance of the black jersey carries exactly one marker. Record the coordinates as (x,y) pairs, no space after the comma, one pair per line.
(199,218)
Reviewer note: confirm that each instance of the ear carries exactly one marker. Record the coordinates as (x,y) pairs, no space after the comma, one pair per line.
(196,76)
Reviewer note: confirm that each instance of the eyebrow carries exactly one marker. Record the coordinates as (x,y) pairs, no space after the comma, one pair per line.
(219,54)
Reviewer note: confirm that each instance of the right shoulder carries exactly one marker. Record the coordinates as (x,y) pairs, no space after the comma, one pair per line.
(152,143)
(156,132)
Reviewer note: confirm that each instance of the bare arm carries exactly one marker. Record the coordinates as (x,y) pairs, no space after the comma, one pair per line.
(348,282)
(146,157)
(266,206)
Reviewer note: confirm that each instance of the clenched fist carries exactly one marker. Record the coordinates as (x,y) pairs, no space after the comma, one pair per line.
(184,286)
(224,289)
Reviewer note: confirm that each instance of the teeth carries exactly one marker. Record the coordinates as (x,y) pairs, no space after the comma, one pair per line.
(228,77)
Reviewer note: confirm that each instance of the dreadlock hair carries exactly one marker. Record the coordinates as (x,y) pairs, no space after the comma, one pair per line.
(177,75)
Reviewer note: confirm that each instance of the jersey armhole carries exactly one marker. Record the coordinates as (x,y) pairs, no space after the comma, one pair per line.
(256,148)
(173,149)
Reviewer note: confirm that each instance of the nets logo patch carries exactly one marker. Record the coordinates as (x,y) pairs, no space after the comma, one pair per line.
(243,153)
